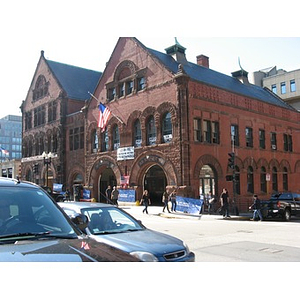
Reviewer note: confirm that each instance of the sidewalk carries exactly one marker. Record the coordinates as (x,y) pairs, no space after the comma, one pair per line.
(157,211)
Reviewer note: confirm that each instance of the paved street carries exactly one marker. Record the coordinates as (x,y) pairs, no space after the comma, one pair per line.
(233,240)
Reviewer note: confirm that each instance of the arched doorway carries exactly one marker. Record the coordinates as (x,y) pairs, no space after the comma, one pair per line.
(207,181)
(106,178)
(155,182)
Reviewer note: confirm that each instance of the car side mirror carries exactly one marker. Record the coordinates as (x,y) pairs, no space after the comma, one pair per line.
(80,220)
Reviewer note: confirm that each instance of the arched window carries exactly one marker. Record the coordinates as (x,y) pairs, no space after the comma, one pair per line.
(250,180)
(116,137)
(263,180)
(285,179)
(137,138)
(274,180)
(151,131)
(167,128)
(95,141)
(104,141)
(41,88)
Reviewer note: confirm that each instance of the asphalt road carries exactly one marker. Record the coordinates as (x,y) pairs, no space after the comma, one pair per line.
(238,239)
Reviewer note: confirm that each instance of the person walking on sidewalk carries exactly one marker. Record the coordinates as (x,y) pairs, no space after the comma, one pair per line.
(146,201)
(165,200)
(256,208)
(173,201)
(115,196)
(224,198)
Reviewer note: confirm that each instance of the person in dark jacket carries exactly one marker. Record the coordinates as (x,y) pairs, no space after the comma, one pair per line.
(224,198)
(146,201)
(256,208)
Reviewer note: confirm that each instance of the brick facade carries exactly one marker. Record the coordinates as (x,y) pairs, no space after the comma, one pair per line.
(139,84)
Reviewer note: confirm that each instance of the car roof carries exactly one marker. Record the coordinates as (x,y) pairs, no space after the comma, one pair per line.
(83,204)
(10,182)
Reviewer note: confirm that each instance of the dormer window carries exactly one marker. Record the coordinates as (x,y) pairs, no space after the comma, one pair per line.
(128,79)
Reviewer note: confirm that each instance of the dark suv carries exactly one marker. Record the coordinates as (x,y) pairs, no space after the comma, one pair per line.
(34,228)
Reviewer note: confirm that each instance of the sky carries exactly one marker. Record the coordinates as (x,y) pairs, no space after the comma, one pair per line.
(85,33)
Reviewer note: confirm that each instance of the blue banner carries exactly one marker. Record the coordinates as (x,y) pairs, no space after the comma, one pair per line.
(86,194)
(126,195)
(189,205)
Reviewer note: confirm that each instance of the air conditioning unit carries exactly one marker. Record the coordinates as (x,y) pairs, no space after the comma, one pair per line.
(274,147)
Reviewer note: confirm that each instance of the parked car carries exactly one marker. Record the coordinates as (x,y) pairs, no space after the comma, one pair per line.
(34,228)
(114,226)
(283,205)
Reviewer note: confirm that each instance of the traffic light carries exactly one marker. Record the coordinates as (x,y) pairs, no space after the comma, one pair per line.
(231,163)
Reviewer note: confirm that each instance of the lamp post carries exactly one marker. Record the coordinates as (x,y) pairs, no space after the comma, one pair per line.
(47,162)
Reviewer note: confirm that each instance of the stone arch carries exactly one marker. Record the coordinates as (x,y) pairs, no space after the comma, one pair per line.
(297,167)
(125,69)
(285,164)
(262,162)
(210,160)
(274,163)
(150,158)
(101,163)
(250,162)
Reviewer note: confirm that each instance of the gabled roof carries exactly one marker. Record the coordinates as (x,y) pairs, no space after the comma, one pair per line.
(214,78)
(76,81)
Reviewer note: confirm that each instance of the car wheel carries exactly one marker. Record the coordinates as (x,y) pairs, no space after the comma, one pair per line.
(287,214)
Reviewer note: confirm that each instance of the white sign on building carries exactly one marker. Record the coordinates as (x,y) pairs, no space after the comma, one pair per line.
(125,153)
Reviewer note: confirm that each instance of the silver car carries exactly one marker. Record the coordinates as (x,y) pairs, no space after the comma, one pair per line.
(114,226)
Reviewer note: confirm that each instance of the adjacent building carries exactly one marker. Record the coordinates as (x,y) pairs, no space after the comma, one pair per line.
(173,124)
(10,137)
(55,97)
(282,83)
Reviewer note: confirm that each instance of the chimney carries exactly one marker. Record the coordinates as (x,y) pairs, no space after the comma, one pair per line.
(203,61)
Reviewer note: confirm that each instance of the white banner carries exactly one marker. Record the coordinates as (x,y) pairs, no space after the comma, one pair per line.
(125,153)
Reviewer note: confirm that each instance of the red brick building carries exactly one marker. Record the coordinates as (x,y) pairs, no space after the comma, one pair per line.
(173,123)
(181,118)
(50,114)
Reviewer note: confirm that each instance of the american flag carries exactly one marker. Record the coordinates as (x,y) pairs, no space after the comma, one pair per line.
(104,114)
(4,151)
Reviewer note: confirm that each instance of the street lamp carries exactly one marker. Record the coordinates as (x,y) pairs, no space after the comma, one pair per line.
(47,162)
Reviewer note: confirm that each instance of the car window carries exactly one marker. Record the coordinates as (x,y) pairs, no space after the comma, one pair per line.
(109,219)
(26,210)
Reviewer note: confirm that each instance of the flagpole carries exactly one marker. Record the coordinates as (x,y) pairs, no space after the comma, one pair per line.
(110,110)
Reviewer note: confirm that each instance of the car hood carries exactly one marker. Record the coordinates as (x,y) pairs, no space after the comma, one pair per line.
(142,240)
(61,250)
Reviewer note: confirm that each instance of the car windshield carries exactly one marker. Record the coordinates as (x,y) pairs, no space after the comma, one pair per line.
(27,212)
(104,220)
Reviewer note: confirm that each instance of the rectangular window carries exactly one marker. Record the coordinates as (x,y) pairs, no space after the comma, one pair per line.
(197,130)
(287,143)
(274,88)
(215,133)
(207,131)
(273,141)
(121,90)
(141,84)
(262,139)
(234,134)
(283,87)
(111,93)
(249,137)
(293,85)
(129,87)
(76,138)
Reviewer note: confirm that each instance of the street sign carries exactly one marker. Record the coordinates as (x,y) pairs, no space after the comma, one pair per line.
(268,177)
